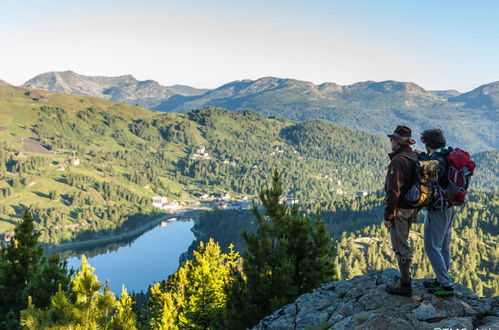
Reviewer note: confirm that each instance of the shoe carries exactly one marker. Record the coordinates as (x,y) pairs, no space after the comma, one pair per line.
(400,289)
(431,283)
(442,291)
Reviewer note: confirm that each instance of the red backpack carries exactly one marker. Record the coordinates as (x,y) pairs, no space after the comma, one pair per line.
(460,170)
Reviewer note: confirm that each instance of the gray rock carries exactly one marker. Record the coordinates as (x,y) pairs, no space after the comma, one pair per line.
(363,303)
(425,311)
(385,322)
(490,322)
(449,323)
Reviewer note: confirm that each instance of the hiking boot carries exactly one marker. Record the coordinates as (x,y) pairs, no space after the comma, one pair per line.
(431,283)
(442,291)
(399,288)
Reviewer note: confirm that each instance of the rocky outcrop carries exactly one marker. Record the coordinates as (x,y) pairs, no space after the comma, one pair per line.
(362,303)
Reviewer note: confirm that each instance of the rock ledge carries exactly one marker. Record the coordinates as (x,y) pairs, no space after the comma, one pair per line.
(362,303)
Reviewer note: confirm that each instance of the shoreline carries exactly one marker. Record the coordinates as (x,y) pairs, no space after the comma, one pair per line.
(113,238)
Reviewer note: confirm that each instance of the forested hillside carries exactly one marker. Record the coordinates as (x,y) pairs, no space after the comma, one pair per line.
(487,172)
(86,165)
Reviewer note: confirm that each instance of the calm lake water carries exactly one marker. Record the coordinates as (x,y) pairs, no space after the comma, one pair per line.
(142,261)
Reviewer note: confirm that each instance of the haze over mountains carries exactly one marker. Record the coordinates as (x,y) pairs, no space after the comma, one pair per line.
(469,119)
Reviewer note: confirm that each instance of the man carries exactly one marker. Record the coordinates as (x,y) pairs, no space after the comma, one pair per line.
(399,215)
(438,220)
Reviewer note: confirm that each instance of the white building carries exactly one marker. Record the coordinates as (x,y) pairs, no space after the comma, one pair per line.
(362,193)
(170,206)
(158,201)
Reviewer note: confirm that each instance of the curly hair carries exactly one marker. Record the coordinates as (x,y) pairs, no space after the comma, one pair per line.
(433,138)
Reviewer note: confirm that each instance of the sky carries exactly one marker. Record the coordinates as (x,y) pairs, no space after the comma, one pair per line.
(436,44)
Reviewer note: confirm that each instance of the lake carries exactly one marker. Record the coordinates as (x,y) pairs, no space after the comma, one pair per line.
(138,263)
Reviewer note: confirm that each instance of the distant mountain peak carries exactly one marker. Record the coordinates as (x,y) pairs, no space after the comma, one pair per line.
(124,88)
(484,96)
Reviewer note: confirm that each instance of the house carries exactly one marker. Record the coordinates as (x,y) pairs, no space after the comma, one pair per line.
(191,203)
(340,192)
(61,167)
(362,193)
(158,201)
(74,161)
(7,237)
(201,149)
(225,196)
(168,206)
(288,200)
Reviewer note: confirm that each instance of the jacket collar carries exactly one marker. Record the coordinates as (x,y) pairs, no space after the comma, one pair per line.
(400,149)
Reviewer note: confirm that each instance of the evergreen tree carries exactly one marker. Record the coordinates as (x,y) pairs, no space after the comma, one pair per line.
(195,296)
(51,275)
(123,318)
(83,307)
(287,255)
(19,263)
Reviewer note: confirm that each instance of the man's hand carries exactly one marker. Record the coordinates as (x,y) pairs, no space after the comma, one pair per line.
(388,224)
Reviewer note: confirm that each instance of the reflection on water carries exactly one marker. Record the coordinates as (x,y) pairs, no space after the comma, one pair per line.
(140,261)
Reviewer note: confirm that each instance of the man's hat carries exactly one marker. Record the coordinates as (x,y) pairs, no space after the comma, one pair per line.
(402,135)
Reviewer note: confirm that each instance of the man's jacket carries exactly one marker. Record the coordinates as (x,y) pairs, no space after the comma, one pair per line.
(399,178)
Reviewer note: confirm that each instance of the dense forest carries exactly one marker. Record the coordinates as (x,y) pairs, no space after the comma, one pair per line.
(364,244)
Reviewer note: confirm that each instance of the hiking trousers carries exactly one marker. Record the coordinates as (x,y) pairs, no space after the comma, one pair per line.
(437,236)
(399,235)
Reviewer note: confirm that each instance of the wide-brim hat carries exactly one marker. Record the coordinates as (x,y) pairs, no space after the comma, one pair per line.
(402,135)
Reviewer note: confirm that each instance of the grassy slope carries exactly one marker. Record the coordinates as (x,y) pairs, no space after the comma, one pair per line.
(19,113)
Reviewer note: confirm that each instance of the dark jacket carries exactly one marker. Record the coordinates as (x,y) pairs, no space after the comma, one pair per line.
(399,178)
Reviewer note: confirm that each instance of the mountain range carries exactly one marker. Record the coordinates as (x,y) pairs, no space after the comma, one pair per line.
(470,120)
(371,106)
(147,93)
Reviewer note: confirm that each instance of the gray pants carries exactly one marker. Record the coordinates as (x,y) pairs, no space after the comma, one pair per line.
(437,235)
(399,234)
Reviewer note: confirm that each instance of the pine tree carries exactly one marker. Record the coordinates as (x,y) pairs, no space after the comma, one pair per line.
(123,318)
(287,255)
(52,275)
(19,263)
(83,307)
(195,296)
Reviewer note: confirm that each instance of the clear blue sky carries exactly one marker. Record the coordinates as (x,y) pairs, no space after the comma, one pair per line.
(436,44)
